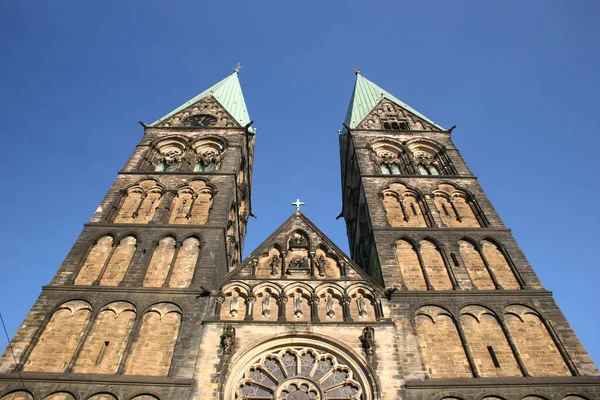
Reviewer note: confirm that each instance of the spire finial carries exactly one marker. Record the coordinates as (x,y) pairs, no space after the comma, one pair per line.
(298,203)
(356,70)
(237,68)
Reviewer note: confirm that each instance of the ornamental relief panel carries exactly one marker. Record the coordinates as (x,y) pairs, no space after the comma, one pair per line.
(298,373)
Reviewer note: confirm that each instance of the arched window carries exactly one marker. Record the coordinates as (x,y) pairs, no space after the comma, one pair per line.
(169,154)
(19,395)
(192,203)
(209,153)
(56,346)
(102,396)
(430,157)
(491,352)
(535,345)
(434,266)
(139,204)
(160,263)
(120,259)
(499,266)
(476,268)
(103,348)
(391,158)
(152,352)
(404,206)
(60,396)
(423,267)
(443,354)
(457,208)
(95,261)
(185,263)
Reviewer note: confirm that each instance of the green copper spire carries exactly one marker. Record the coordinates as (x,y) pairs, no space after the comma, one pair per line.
(228,93)
(366,96)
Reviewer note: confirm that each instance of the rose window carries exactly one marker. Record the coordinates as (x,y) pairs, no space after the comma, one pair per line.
(298,373)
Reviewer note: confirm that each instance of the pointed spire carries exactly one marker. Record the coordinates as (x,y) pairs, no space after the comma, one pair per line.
(227,92)
(366,96)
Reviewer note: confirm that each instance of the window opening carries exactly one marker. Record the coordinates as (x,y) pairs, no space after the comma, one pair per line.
(414,210)
(454,259)
(445,210)
(102,352)
(493,356)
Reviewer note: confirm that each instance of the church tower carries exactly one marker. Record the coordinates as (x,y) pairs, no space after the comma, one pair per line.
(122,318)
(470,314)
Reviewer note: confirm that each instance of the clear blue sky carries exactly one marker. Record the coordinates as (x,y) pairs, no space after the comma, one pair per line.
(520,79)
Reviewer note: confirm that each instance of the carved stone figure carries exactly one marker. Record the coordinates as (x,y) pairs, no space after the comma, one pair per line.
(297,240)
(298,304)
(321,262)
(330,305)
(368,340)
(298,265)
(227,339)
(266,305)
(362,306)
(275,266)
(234,304)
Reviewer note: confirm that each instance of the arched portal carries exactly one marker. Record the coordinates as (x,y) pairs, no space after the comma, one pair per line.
(299,368)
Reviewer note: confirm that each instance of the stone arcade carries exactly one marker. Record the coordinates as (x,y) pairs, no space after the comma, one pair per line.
(436,300)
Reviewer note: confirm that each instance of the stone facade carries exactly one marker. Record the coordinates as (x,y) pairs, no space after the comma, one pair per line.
(154,301)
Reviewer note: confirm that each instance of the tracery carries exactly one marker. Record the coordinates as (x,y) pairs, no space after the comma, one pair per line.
(298,373)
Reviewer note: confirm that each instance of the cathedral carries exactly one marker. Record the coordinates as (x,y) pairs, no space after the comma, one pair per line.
(435,300)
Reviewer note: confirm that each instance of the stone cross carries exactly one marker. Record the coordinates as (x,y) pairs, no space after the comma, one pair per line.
(237,68)
(298,203)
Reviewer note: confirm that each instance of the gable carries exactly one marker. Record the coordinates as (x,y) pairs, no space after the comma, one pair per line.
(389,115)
(298,251)
(208,106)
(227,94)
(367,96)
(298,275)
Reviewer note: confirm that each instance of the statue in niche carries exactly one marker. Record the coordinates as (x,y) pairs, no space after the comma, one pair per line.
(298,265)
(362,306)
(298,240)
(266,305)
(368,340)
(227,339)
(298,304)
(275,266)
(234,304)
(321,263)
(330,305)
